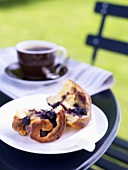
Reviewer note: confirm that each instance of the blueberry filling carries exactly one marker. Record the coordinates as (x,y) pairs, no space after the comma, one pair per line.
(76,105)
(65,96)
(60,102)
(55,105)
(82,98)
(43,114)
(26,120)
(54,123)
(83,111)
(63,106)
(33,111)
(50,115)
(43,133)
(52,118)
(78,111)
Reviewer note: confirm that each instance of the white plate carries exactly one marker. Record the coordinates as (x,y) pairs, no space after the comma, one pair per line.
(93,132)
(17,79)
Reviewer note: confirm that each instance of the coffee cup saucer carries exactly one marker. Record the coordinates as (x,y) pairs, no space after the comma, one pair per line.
(15,74)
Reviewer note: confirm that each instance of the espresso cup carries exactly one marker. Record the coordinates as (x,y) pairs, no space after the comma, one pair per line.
(35,54)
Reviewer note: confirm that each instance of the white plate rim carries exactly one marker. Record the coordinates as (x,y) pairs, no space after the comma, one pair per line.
(10,142)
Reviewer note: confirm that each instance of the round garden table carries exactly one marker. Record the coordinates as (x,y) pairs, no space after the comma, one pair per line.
(11,158)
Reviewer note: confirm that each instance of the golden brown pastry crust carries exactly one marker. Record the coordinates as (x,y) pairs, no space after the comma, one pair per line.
(69,95)
(37,124)
(46,125)
(18,126)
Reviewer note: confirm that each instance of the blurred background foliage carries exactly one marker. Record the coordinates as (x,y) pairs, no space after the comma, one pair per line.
(68,23)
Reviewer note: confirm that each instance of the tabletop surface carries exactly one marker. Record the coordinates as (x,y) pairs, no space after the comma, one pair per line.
(11,158)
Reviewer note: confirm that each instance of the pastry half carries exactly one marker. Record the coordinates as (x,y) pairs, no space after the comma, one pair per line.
(76,103)
(41,125)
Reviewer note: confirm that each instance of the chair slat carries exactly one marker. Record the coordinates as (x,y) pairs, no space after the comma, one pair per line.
(117,154)
(112,9)
(107,165)
(107,44)
(122,143)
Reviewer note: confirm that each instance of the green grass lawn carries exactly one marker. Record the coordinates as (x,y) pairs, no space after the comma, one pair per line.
(67,23)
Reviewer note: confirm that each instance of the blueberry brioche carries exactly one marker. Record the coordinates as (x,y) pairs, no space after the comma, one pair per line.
(41,125)
(76,103)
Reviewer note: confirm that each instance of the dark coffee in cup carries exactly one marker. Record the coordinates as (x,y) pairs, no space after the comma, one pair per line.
(36,48)
(35,54)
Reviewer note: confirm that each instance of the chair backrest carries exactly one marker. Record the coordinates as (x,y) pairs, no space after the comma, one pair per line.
(99,41)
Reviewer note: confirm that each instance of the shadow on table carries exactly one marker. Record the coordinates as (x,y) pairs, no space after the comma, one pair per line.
(12,3)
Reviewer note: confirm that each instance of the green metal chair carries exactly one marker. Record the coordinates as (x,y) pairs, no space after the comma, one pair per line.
(116,157)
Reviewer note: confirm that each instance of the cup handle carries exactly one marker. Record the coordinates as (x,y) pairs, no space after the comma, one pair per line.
(61,57)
